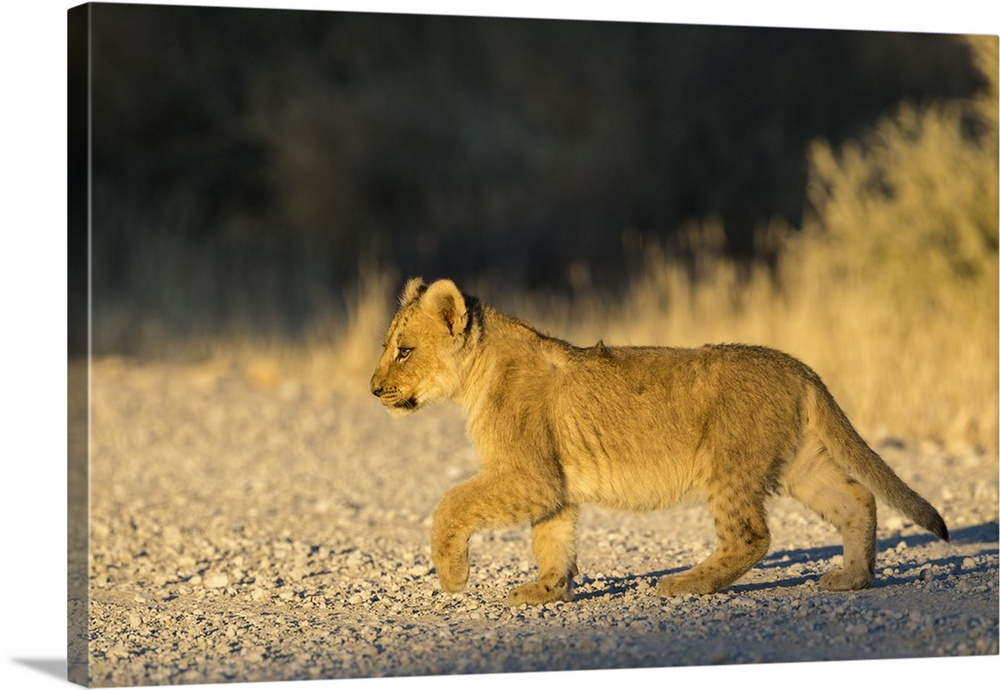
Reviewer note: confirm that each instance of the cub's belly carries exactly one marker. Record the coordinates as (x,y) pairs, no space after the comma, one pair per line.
(630,483)
(609,458)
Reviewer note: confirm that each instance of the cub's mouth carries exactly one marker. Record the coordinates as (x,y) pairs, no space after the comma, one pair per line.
(394,400)
(399,405)
(406,404)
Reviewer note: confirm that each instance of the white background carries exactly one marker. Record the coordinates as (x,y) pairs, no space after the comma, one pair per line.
(33,329)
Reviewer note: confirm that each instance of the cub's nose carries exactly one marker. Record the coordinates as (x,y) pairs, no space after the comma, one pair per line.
(377,391)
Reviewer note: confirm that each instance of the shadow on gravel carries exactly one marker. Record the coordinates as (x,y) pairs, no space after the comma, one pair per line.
(984,533)
(617,586)
(788,583)
(988,531)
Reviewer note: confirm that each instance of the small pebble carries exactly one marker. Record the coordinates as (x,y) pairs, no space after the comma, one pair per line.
(215,580)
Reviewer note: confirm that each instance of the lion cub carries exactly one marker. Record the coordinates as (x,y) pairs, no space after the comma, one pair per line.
(636,428)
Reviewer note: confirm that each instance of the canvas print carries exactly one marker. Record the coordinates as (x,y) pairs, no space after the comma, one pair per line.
(414,345)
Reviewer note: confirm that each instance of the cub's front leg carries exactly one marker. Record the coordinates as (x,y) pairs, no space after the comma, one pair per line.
(552,540)
(450,540)
(483,501)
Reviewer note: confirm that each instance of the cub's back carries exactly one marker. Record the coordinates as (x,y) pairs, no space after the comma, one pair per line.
(648,405)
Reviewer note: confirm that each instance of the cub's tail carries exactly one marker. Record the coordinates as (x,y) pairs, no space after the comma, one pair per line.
(850,451)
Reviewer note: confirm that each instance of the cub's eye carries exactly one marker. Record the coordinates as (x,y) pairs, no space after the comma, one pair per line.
(403,353)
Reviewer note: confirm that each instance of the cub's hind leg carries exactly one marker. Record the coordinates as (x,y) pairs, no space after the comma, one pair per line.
(819,484)
(553,540)
(743,539)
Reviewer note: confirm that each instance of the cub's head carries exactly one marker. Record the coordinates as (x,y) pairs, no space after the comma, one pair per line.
(420,363)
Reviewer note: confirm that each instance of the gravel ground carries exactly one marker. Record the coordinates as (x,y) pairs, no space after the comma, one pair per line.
(244,532)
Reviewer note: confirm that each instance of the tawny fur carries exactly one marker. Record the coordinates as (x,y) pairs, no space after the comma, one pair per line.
(634,428)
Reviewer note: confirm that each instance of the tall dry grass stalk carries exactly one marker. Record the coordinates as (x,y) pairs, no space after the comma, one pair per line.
(344,355)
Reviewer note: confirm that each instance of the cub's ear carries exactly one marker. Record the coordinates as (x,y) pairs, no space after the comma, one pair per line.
(413,289)
(445,298)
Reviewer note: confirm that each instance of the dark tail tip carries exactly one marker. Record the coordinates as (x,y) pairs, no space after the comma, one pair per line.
(938,527)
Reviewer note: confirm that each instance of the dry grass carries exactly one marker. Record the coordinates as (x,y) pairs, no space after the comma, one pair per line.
(912,370)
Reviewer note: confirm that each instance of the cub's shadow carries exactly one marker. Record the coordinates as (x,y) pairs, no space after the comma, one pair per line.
(985,534)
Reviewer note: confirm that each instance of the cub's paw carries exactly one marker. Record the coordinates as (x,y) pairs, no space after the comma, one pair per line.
(840,580)
(683,584)
(538,592)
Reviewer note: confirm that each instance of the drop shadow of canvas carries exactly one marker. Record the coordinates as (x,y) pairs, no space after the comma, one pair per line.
(55,667)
